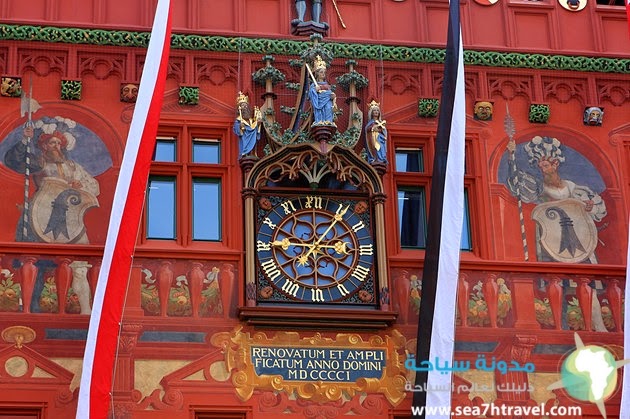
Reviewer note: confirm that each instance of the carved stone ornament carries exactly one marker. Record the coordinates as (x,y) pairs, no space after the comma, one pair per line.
(315,368)
(483,110)
(128,92)
(11,86)
(573,5)
(189,95)
(539,113)
(428,107)
(18,335)
(593,116)
(486,2)
(71,89)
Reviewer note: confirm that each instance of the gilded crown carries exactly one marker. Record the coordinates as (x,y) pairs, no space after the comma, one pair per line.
(319,63)
(241,98)
(374,104)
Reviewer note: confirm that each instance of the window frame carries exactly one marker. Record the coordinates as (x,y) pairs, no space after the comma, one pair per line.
(148,206)
(186,171)
(399,180)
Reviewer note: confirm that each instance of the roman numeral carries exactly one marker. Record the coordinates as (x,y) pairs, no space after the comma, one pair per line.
(360,273)
(267,221)
(366,249)
(285,205)
(271,269)
(343,290)
(358,226)
(313,202)
(261,246)
(317,296)
(290,288)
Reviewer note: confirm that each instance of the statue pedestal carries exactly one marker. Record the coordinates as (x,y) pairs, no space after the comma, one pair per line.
(380,167)
(247,162)
(310,27)
(323,134)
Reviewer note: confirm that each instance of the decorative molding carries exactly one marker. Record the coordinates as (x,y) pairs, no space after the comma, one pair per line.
(11,86)
(42,62)
(71,89)
(564,90)
(510,86)
(539,113)
(102,37)
(615,91)
(188,95)
(102,67)
(428,107)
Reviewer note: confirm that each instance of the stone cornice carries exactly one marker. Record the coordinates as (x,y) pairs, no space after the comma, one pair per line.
(102,37)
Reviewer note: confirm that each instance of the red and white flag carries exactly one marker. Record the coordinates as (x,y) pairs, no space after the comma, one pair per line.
(109,297)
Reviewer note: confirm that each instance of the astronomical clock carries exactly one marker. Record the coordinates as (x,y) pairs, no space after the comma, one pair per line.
(314,219)
(315,251)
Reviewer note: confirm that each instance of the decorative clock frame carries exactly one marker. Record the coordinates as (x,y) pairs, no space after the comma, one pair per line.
(293,177)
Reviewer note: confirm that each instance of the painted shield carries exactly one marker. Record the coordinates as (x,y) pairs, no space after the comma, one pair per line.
(567,232)
(56,212)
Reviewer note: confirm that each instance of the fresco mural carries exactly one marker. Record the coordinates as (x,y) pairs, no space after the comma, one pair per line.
(45,285)
(61,159)
(188,288)
(566,189)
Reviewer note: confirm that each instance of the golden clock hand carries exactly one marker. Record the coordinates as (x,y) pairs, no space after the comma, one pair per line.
(338,216)
(340,247)
(286,243)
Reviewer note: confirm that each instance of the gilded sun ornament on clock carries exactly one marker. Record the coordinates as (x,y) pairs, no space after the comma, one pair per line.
(316,249)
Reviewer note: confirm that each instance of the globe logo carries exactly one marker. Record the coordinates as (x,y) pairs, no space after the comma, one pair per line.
(589,374)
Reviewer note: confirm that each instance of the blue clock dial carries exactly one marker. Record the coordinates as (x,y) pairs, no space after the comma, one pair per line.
(315,249)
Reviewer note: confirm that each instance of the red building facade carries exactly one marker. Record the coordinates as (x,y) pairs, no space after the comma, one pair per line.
(206,331)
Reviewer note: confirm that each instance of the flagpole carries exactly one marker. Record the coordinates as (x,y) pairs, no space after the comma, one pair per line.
(440,274)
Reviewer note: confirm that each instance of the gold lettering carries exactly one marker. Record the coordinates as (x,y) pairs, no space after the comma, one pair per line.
(290,287)
(313,202)
(317,295)
(271,269)
(358,226)
(269,223)
(342,289)
(365,249)
(285,205)
(261,246)
(360,273)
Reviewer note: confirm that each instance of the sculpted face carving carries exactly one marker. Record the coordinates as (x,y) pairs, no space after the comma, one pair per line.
(129,93)
(483,111)
(593,115)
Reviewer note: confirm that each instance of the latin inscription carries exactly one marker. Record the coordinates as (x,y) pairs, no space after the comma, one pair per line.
(318,364)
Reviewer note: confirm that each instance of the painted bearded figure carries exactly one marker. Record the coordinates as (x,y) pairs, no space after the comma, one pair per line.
(59,180)
(566,211)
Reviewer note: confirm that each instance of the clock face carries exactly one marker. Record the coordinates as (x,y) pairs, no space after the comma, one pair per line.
(315,249)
